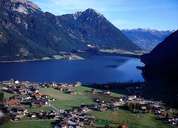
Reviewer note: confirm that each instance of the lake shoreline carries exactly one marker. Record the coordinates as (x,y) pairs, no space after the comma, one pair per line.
(72,59)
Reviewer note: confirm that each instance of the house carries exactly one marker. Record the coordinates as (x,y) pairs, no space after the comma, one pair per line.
(16,82)
(103,107)
(2,117)
(85,109)
(17,113)
(77,84)
(12,102)
(123,126)
(116,104)
(4,89)
(107,93)
(54,85)
(10,82)
(37,95)
(130,98)
(93,91)
(71,91)
(40,102)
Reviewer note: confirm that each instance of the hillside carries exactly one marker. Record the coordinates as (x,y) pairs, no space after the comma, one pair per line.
(160,71)
(26,32)
(164,55)
(147,39)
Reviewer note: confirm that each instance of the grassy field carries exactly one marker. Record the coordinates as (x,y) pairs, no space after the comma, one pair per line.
(116,118)
(110,118)
(29,124)
(7,95)
(37,108)
(67,101)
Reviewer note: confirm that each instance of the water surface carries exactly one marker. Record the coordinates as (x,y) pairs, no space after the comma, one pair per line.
(96,69)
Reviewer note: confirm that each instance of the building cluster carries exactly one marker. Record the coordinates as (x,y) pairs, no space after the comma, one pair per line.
(163,113)
(65,88)
(76,117)
(137,104)
(26,95)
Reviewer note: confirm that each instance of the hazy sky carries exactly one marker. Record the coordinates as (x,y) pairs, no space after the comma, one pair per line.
(125,14)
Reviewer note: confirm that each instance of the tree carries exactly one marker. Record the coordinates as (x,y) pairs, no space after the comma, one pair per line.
(1,96)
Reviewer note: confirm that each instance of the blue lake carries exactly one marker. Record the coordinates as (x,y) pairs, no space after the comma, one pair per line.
(96,69)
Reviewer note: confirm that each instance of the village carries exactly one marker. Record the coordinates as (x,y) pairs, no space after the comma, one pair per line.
(25,101)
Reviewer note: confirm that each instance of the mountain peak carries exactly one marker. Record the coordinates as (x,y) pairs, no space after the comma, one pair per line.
(92,11)
(19,1)
(20,6)
(87,13)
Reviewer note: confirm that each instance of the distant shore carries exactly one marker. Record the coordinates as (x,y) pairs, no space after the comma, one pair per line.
(56,57)
(69,58)
(22,61)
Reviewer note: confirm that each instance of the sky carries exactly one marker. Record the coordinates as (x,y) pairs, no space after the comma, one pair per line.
(124,14)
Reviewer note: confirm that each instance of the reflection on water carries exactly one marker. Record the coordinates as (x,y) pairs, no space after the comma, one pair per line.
(97,69)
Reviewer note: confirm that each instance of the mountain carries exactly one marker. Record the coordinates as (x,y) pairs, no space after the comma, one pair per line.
(147,39)
(164,56)
(27,32)
(96,30)
(161,70)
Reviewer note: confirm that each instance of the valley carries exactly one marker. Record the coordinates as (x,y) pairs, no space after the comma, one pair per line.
(88,64)
(104,108)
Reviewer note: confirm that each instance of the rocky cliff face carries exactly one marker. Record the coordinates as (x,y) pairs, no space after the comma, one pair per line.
(27,32)
(20,6)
